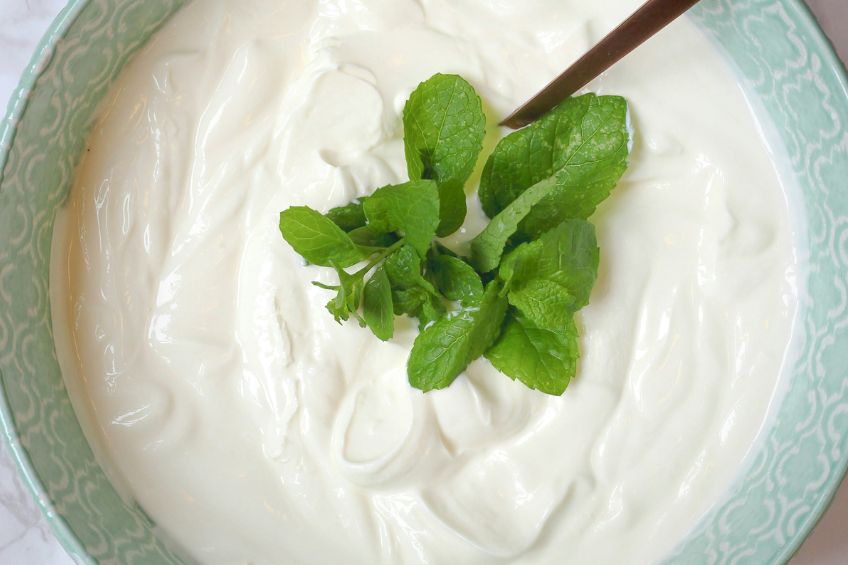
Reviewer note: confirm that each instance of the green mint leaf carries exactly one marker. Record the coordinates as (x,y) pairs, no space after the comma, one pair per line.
(512,262)
(456,279)
(432,310)
(377,305)
(583,143)
(317,238)
(371,239)
(489,315)
(348,217)
(540,358)
(404,270)
(443,130)
(566,255)
(410,209)
(348,296)
(412,294)
(445,348)
(545,303)
(408,301)
(488,247)
(418,303)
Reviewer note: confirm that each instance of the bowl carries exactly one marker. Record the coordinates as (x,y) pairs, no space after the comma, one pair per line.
(795,83)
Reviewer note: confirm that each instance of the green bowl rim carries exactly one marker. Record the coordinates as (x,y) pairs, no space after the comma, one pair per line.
(840,69)
(16,107)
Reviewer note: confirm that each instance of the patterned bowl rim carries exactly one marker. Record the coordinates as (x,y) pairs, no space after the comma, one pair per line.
(18,103)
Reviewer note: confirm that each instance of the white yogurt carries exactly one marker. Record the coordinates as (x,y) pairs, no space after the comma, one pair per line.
(254,429)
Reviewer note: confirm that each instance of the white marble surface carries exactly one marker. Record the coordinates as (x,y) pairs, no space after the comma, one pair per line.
(25,538)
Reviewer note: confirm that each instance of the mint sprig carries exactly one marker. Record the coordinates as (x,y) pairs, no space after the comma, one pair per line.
(582,144)
(443,130)
(531,269)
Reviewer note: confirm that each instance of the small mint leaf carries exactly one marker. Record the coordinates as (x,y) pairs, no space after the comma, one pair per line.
(443,130)
(410,209)
(377,305)
(566,255)
(348,296)
(404,270)
(455,279)
(371,239)
(545,303)
(542,359)
(488,247)
(348,217)
(317,239)
(412,294)
(445,348)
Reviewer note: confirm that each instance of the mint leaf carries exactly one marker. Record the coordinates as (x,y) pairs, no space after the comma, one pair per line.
(547,281)
(404,270)
(487,248)
(566,255)
(582,143)
(444,349)
(348,217)
(348,295)
(513,260)
(317,238)
(377,305)
(443,130)
(370,238)
(545,303)
(540,358)
(418,303)
(489,316)
(409,301)
(410,209)
(432,310)
(456,279)
(412,294)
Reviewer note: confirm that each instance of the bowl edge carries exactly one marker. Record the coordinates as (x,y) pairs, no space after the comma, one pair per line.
(15,109)
(839,69)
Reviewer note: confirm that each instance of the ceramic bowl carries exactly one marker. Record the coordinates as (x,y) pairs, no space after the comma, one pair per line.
(793,79)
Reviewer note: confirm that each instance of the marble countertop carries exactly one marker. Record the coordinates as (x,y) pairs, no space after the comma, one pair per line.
(25,538)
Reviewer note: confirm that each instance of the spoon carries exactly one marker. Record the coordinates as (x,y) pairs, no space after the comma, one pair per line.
(635,30)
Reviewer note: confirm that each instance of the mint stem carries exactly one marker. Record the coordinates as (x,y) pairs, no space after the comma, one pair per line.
(374,262)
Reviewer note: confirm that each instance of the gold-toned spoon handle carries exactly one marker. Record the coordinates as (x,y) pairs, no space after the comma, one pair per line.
(651,17)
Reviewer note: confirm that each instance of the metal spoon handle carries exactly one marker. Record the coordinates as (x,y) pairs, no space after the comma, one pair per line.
(651,17)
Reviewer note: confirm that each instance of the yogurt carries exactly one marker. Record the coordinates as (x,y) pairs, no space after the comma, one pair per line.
(252,428)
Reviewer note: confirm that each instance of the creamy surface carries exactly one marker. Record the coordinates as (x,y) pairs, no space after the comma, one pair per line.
(254,429)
